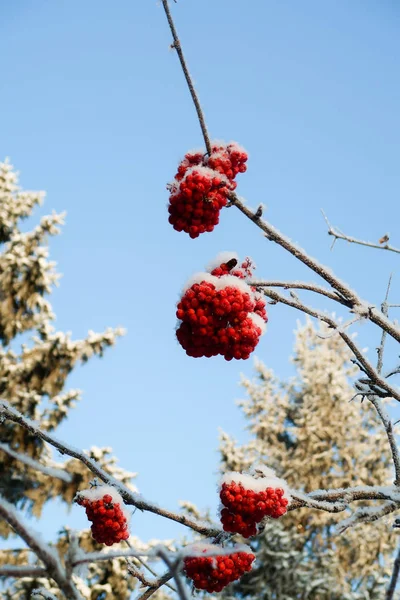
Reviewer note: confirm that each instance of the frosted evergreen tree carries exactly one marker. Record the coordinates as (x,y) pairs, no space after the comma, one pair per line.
(33,380)
(310,433)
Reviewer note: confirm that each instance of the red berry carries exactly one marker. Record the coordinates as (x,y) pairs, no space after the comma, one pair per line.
(213,573)
(220,316)
(201,187)
(107,513)
(244,507)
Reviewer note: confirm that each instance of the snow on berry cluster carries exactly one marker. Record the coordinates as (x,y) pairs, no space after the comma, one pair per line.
(219,313)
(105,508)
(212,572)
(248,498)
(202,185)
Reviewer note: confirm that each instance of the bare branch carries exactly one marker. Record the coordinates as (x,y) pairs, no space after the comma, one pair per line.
(143,579)
(394,371)
(159,583)
(339,235)
(388,425)
(177,45)
(17,571)
(384,308)
(174,568)
(130,498)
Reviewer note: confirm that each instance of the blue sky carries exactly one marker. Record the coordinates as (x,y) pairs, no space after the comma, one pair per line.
(95,111)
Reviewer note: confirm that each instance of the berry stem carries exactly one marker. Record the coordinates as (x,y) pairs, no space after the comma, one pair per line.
(177,45)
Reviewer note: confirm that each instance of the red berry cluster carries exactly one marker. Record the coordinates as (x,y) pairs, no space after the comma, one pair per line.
(201,188)
(228,159)
(213,573)
(220,316)
(243,272)
(109,522)
(244,508)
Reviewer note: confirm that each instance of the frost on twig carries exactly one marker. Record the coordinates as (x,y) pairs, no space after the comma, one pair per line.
(34,464)
(339,235)
(129,497)
(367,514)
(42,593)
(42,550)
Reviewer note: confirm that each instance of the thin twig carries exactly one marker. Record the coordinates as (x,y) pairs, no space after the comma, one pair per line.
(388,425)
(377,403)
(395,575)
(384,308)
(45,594)
(138,574)
(367,515)
(174,568)
(299,285)
(394,371)
(156,585)
(344,496)
(177,45)
(339,235)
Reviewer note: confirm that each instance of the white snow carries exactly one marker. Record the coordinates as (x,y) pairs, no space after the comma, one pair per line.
(266,471)
(235,282)
(256,485)
(222,257)
(205,548)
(199,278)
(43,593)
(207,172)
(219,283)
(257,320)
(47,470)
(97,492)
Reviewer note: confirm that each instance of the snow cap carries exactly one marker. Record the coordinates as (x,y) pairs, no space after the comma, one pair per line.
(248,482)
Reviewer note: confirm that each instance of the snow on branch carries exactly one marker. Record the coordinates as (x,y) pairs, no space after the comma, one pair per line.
(300,285)
(52,472)
(49,558)
(374,377)
(339,235)
(357,305)
(367,514)
(130,498)
(388,425)
(42,593)
(174,568)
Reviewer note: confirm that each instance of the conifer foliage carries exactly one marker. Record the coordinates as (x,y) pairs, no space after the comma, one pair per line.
(305,429)
(33,380)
